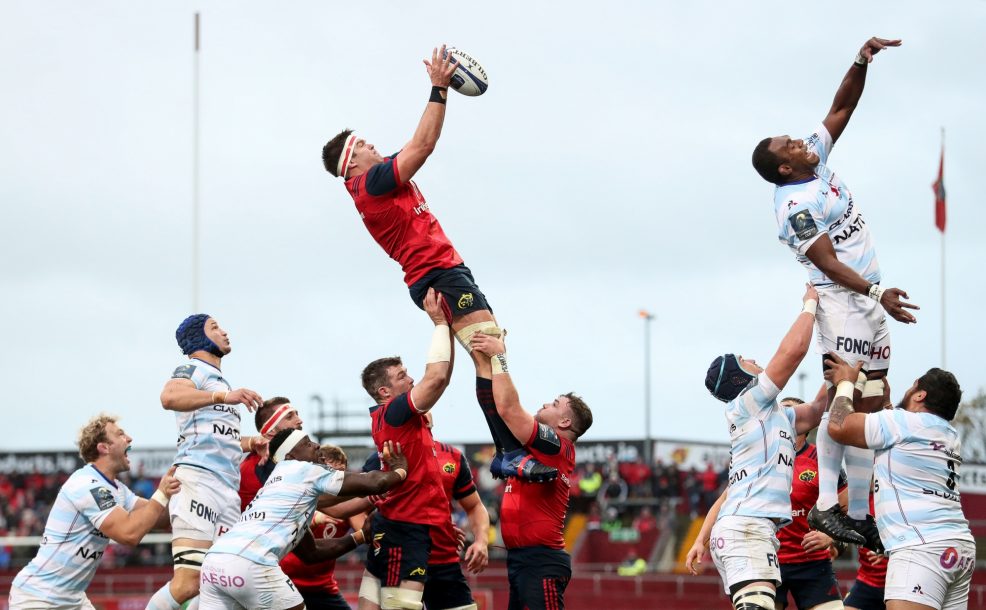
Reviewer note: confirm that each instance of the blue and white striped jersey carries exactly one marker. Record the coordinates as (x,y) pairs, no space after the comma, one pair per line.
(808,209)
(209,437)
(917,492)
(761,458)
(277,518)
(72,545)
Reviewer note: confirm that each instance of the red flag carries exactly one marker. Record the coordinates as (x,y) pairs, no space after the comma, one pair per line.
(939,187)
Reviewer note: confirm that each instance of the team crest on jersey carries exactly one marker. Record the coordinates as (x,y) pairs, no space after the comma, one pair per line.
(466,300)
(803,224)
(449,467)
(103,497)
(807,475)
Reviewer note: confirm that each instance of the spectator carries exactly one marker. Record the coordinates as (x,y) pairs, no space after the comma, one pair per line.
(615,490)
(645,521)
(633,565)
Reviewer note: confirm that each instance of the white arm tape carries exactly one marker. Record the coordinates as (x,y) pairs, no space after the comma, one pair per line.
(845,389)
(441,346)
(811,305)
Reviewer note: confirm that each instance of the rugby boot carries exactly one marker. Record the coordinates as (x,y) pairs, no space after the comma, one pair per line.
(522,465)
(834,524)
(867,527)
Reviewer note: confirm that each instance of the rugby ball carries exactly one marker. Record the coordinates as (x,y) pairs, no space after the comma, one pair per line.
(469,77)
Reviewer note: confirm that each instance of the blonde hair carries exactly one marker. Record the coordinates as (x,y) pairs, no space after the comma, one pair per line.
(93,433)
(335,454)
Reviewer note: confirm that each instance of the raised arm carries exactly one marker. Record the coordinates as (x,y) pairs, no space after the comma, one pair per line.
(809,415)
(822,255)
(377,482)
(438,370)
(851,88)
(519,421)
(182,395)
(130,527)
(795,343)
(422,144)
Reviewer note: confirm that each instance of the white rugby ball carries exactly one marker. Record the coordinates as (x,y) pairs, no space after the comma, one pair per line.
(469,77)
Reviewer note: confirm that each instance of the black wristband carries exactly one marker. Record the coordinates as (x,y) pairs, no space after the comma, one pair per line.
(438,94)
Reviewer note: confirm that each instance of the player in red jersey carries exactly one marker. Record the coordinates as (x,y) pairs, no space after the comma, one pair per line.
(399,219)
(397,565)
(806,562)
(274,415)
(532,515)
(446,587)
(867,591)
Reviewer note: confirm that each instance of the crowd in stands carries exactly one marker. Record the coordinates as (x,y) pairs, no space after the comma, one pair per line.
(614,496)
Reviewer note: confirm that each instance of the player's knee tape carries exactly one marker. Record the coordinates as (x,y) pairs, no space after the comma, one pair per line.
(754,597)
(188,557)
(835,604)
(395,598)
(369,589)
(873,387)
(464,336)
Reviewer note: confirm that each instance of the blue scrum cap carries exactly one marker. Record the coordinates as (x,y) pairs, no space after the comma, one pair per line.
(726,379)
(191,336)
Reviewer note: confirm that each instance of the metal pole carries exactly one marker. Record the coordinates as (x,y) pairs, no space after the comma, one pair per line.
(195,171)
(648,441)
(943,364)
(801,384)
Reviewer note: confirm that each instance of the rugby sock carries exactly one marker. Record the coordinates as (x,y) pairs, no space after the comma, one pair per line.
(829,466)
(859,471)
(163,600)
(502,437)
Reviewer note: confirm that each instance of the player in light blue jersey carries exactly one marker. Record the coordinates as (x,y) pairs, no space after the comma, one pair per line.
(743,539)
(91,509)
(242,569)
(918,505)
(210,449)
(822,224)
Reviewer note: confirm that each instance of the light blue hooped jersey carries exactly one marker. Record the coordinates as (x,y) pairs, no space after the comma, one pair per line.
(761,452)
(823,205)
(917,478)
(72,545)
(277,518)
(209,437)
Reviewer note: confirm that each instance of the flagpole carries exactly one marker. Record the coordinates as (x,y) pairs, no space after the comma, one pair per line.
(943,361)
(195,172)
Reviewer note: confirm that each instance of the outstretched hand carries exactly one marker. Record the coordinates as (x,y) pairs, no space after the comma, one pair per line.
(246,397)
(441,67)
(838,370)
(169,485)
(874,45)
(488,344)
(694,559)
(892,303)
(433,305)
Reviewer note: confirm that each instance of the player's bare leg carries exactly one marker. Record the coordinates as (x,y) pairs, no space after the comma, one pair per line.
(184,585)
(511,459)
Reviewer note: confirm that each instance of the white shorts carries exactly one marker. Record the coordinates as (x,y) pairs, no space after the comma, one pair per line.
(205,508)
(232,582)
(936,574)
(19,600)
(745,548)
(854,326)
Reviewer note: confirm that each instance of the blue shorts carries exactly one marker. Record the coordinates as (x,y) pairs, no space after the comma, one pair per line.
(865,597)
(462,295)
(538,577)
(810,583)
(398,551)
(446,587)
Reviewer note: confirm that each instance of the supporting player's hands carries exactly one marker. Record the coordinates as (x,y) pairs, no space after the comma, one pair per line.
(488,344)
(441,67)
(815,541)
(434,306)
(874,45)
(393,457)
(477,557)
(892,303)
(169,485)
(838,370)
(693,561)
(460,537)
(810,294)
(248,398)
(874,559)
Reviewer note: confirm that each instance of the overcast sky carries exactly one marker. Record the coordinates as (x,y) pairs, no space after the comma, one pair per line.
(606,169)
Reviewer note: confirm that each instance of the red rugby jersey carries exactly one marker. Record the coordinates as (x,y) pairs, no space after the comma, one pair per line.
(533,514)
(458,483)
(400,221)
(316,576)
(250,483)
(420,498)
(804,495)
(874,576)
